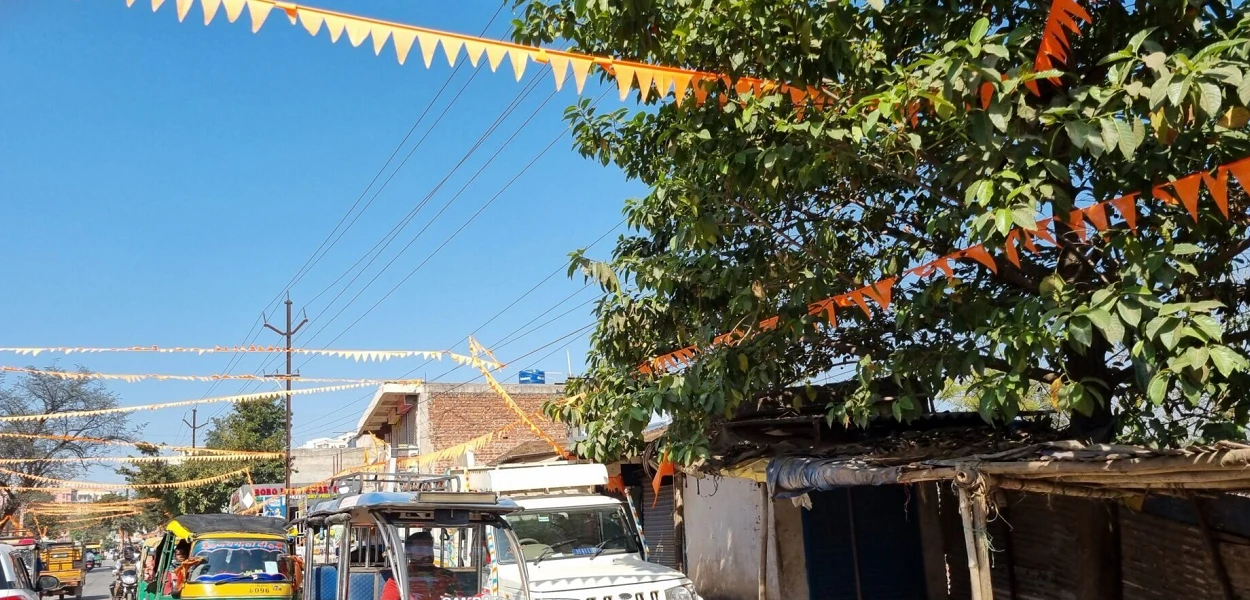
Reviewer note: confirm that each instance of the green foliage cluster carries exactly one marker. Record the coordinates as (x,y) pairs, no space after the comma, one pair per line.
(757,209)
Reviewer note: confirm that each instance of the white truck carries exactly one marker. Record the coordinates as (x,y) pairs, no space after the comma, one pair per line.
(577,544)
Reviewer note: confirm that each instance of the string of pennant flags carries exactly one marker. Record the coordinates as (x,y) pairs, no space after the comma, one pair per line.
(1184,191)
(47,507)
(152,459)
(648,79)
(137,377)
(103,517)
(1055,45)
(356,355)
(182,403)
(102,441)
(79,485)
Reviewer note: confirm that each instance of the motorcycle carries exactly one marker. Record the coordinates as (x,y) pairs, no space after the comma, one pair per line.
(125,584)
(89,563)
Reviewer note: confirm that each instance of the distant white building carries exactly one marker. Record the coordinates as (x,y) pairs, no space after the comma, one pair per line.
(345,440)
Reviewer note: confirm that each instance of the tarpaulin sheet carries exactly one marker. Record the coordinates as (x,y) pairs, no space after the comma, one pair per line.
(794,476)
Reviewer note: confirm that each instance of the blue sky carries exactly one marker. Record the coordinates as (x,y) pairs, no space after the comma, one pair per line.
(160,183)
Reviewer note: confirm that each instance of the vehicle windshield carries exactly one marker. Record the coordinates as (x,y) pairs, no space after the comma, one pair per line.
(222,560)
(555,534)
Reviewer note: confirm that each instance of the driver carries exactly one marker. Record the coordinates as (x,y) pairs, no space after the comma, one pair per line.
(425,581)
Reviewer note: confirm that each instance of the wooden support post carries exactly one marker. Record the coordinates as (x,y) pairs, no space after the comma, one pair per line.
(932,543)
(1213,549)
(763,575)
(972,510)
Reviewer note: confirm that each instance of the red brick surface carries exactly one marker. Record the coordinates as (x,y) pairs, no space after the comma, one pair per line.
(457,417)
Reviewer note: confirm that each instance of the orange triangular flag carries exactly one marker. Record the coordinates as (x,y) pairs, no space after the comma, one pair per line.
(742,86)
(334,25)
(663,81)
(580,66)
(403,39)
(357,31)
(979,254)
(259,11)
(1187,189)
(798,95)
(1043,231)
(1127,207)
(210,9)
(473,51)
(645,77)
(681,84)
(495,54)
(700,92)
(184,7)
(379,34)
(624,79)
(1218,186)
(665,469)
(1161,192)
(1241,171)
(858,298)
(1076,220)
(1009,246)
(944,264)
(1097,215)
(451,46)
(559,68)
(156,5)
(769,324)
(881,291)
(428,42)
(520,58)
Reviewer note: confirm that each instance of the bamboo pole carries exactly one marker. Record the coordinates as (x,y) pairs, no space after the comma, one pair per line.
(763,574)
(972,511)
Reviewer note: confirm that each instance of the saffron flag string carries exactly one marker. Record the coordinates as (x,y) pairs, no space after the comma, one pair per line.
(94,440)
(181,403)
(151,459)
(126,486)
(137,377)
(648,79)
(355,355)
(1055,45)
(1184,191)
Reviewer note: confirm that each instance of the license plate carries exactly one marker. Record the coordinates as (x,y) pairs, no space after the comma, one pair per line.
(260,589)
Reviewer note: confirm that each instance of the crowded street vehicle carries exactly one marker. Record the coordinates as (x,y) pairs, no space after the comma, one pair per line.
(416,538)
(63,560)
(226,556)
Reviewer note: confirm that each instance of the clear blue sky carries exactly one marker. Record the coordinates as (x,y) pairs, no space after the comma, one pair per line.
(160,183)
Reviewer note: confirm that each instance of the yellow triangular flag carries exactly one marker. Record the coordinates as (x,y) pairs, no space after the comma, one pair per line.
(379,33)
(520,58)
(259,11)
(156,4)
(184,7)
(210,9)
(681,82)
(403,42)
(234,8)
(335,26)
(624,79)
(311,20)
(645,76)
(495,54)
(473,50)
(581,66)
(452,47)
(663,81)
(428,42)
(130,3)
(560,67)
(357,31)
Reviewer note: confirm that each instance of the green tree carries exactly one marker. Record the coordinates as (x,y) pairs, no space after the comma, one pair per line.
(40,394)
(257,425)
(757,209)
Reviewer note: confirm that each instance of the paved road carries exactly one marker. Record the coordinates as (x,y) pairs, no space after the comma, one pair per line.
(98,580)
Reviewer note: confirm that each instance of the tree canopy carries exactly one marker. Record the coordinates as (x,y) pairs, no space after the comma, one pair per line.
(256,425)
(39,394)
(928,140)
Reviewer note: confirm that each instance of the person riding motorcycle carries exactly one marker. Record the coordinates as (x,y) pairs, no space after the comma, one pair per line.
(128,563)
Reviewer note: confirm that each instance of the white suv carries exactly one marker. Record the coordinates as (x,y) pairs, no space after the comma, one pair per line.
(15,583)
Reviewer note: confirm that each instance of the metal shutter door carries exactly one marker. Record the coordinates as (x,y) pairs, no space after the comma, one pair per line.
(657,525)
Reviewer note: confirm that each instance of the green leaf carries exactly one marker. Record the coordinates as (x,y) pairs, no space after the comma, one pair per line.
(1176,92)
(1002,221)
(1155,60)
(1197,357)
(1128,138)
(1157,391)
(1185,249)
(1079,132)
(1023,216)
(1210,99)
(1227,360)
(1208,325)
(1159,91)
(1110,326)
(1134,43)
(978,29)
(998,114)
(1243,91)
(1080,332)
(1110,136)
(877,5)
(1130,312)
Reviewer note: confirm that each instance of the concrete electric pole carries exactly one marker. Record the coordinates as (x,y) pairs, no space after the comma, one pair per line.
(288,333)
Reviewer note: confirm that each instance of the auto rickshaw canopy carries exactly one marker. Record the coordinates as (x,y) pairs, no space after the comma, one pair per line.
(192,526)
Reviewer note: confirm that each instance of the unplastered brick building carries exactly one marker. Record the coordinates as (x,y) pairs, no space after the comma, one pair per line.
(420,419)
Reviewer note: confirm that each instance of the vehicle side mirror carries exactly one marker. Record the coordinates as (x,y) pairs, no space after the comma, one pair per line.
(47,582)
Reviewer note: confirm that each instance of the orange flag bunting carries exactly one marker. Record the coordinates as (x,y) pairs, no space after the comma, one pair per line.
(666,469)
(979,254)
(1127,207)
(1187,189)
(1055,45)
(1076,220)
(1097,215)
(1218,187)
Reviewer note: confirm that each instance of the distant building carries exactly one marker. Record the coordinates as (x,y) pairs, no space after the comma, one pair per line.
(79,496)
(346,440)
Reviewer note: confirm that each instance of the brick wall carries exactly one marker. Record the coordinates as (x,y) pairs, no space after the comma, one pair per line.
(467,412)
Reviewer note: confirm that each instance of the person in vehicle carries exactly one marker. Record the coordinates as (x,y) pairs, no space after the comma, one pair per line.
(425,580)
(177,574)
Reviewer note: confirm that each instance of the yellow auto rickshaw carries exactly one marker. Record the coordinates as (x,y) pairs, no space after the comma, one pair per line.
(222,556)
(63,560)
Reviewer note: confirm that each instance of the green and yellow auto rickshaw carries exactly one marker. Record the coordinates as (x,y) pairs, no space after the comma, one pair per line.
(222,556)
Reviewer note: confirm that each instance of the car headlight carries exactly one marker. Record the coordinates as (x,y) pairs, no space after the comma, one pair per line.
(681,592)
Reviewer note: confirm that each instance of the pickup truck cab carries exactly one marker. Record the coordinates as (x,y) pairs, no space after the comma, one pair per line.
(576,543)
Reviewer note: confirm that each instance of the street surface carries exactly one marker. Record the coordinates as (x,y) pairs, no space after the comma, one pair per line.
(98,580)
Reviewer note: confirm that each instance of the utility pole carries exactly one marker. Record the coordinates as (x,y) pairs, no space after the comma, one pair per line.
(192,424)
(288,333)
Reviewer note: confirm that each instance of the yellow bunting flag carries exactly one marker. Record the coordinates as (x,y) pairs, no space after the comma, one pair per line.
(124,486)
